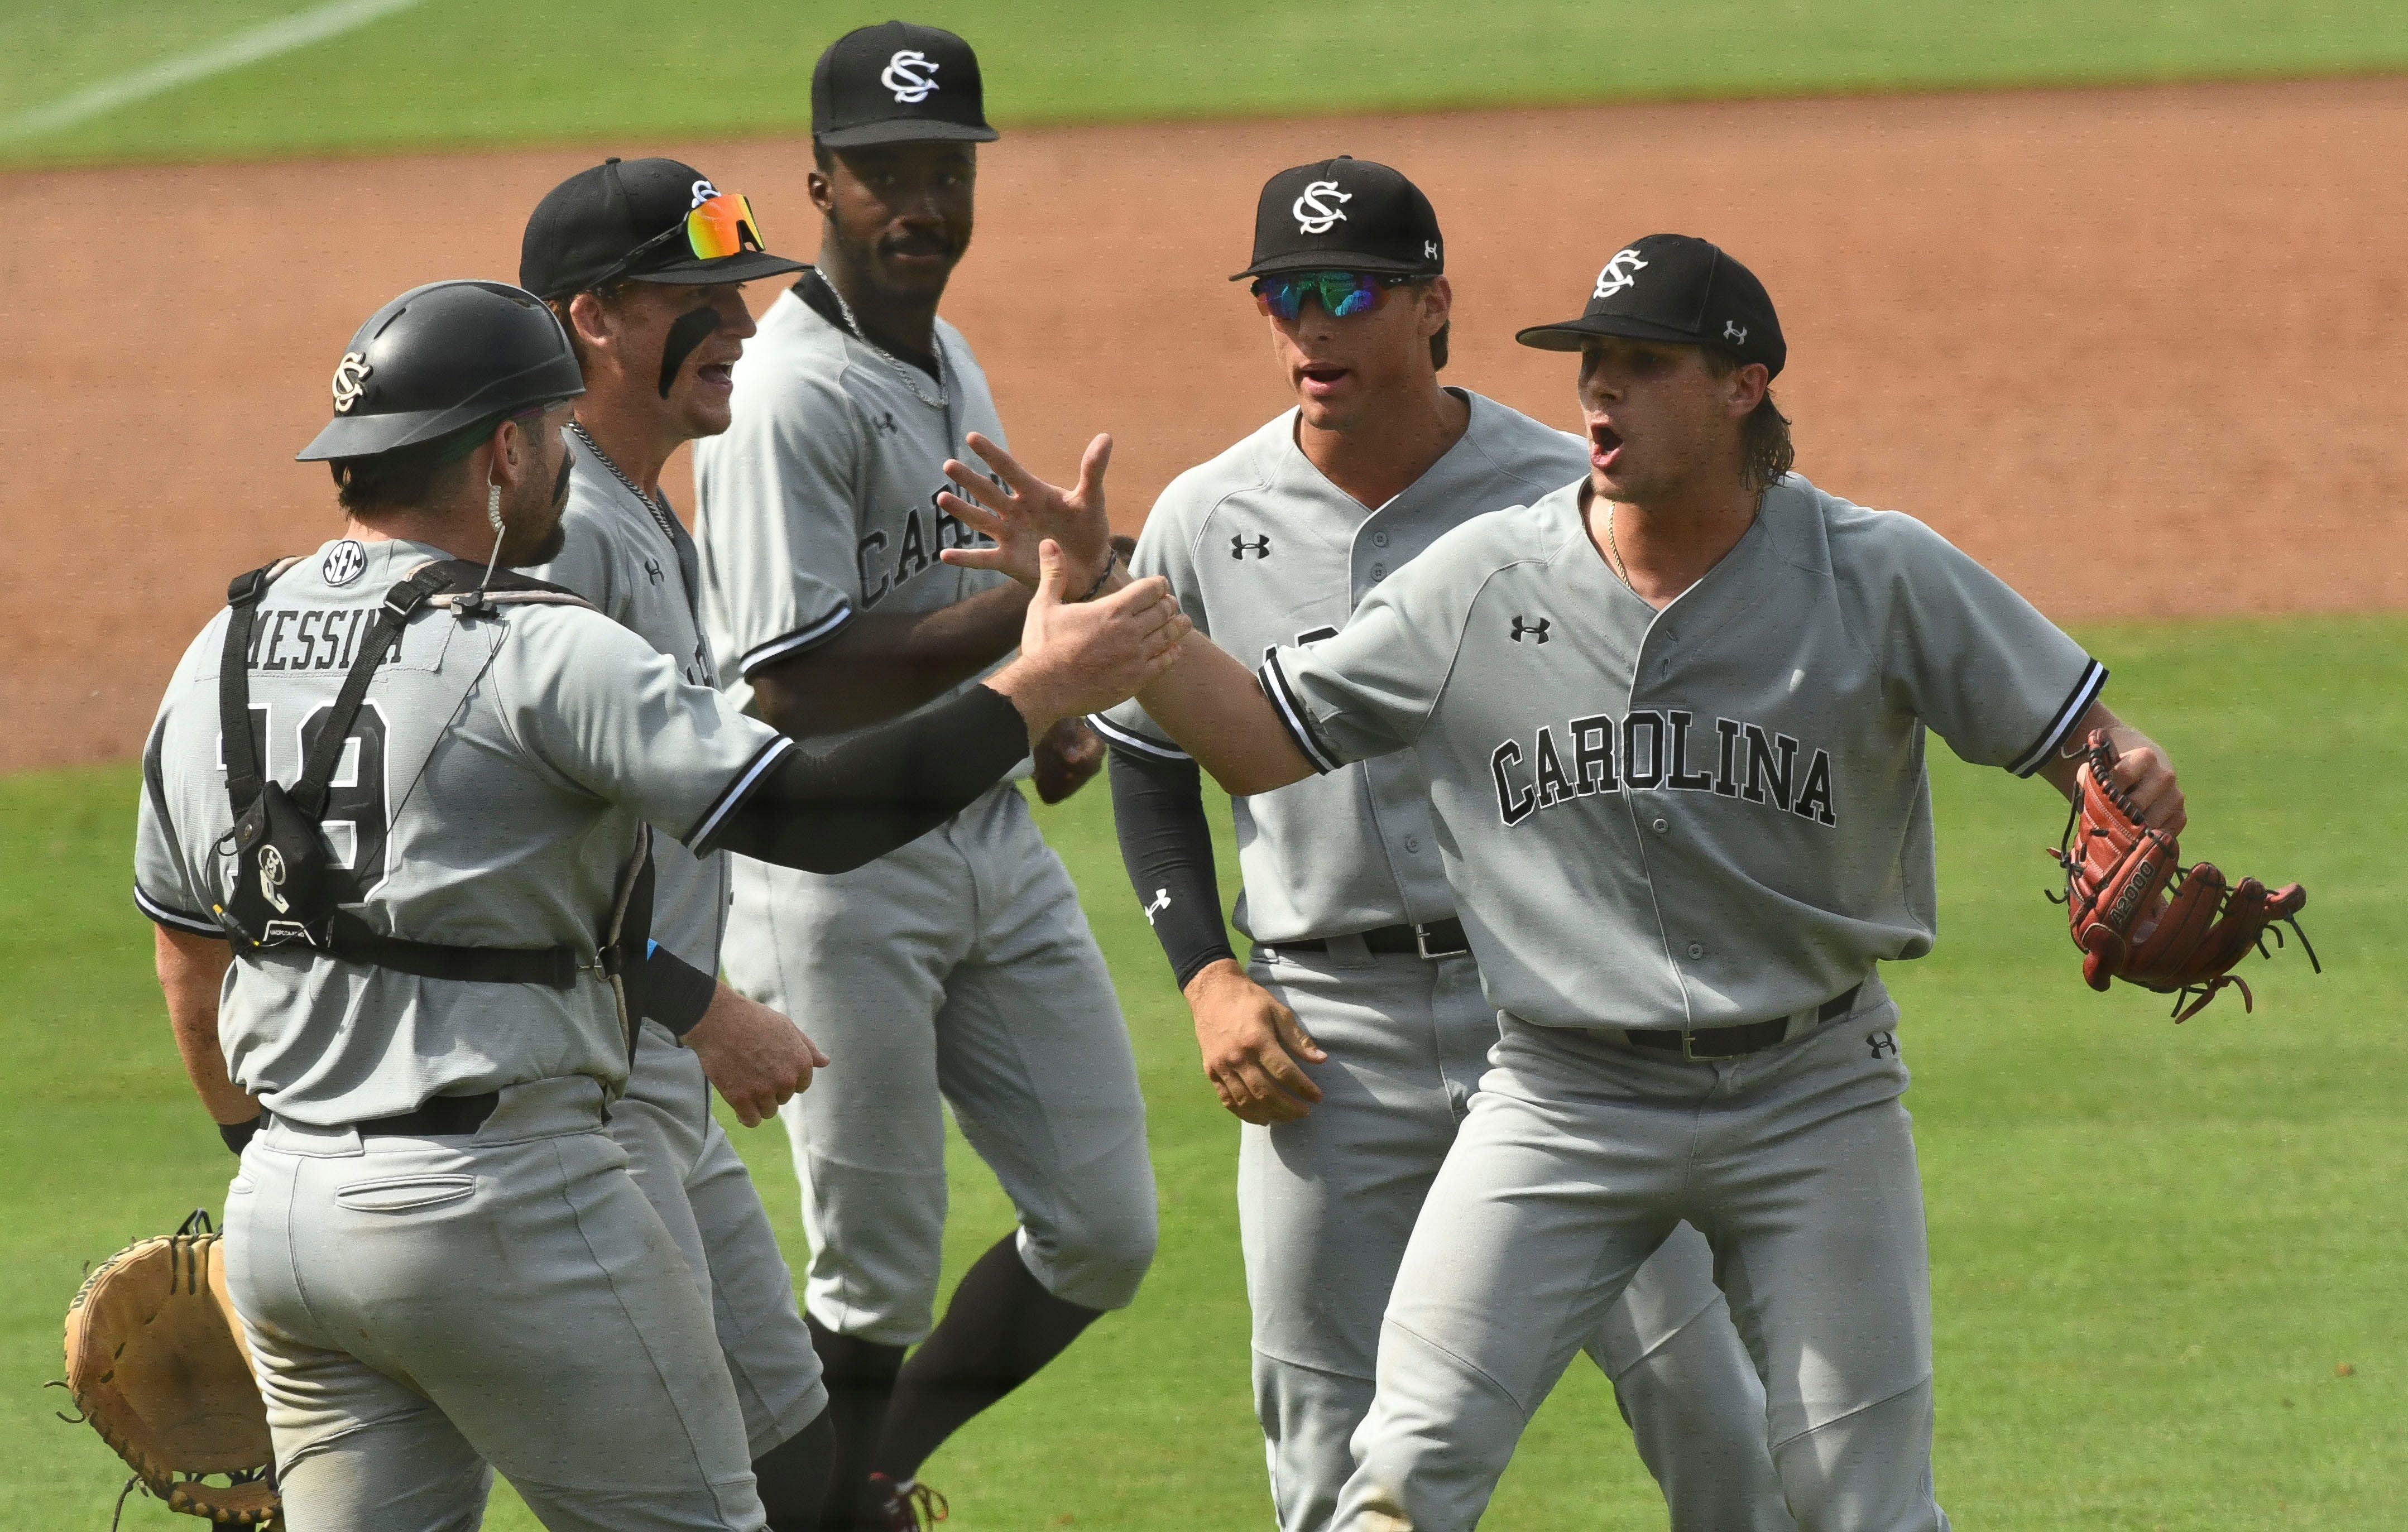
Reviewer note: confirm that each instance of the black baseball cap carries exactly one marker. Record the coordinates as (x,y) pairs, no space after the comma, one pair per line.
(1345,215)
(619,219)
(897,83)
(1674,287)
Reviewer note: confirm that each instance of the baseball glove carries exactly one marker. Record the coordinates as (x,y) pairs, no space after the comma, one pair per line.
(158,1364)
(2139,916)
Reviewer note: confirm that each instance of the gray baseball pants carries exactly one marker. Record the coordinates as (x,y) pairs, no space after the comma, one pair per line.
(1581,1153)
(425,1310)
(1325,1205)
(682,1163)
(957,971)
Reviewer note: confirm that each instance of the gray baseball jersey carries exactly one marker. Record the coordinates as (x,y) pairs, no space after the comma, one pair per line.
(965,947)
(1262,549)
(504,765)
(1709,815)
(819,502)
(639,566)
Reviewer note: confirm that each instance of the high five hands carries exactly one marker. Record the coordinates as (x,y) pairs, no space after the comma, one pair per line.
(1023,510)
(1078,657)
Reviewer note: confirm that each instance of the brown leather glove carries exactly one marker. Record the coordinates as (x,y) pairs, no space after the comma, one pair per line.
(2138,916)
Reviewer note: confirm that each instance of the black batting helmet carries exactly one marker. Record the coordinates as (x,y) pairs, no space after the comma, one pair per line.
(440,358)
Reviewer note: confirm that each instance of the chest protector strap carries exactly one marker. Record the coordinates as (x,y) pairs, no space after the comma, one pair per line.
(280,893)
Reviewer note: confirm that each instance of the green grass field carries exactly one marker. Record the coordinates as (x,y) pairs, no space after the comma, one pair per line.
(2151,1248)
(630,72)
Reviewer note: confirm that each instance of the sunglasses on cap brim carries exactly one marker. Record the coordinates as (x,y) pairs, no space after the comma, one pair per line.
(1340,293)
(714,230)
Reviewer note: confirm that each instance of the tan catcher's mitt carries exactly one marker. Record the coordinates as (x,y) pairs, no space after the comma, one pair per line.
(157,1363)
(2138,917)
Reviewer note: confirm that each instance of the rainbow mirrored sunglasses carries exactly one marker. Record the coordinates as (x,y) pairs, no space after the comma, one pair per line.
(1340,293)
(717,228)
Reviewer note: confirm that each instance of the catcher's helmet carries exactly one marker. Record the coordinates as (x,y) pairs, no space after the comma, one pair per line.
(441,357)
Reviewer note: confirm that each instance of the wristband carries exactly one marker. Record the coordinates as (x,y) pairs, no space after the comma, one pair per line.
(1110,559)
(674,992)
(237,1135)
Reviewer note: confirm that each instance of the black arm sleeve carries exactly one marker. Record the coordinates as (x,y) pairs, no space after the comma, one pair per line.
(1158,807)
(881,790)
(667,989)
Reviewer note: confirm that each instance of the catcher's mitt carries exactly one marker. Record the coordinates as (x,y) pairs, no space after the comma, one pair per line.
(2138,917)
(157,1362)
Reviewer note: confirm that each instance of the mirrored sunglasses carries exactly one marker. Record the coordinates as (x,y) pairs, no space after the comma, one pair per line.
(1340,293)
(716,229)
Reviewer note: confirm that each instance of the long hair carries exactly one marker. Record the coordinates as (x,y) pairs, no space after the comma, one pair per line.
(1766,454)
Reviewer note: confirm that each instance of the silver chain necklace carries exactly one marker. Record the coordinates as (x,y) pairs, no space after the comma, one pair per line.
(902,369)
(621,475)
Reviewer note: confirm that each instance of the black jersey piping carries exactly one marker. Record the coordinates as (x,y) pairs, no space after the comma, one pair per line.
(737,789)
(2077,702)
(1291,712)
(1130,739)
(790,644)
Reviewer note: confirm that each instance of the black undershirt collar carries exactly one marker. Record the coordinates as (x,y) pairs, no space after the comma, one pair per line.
(813,290)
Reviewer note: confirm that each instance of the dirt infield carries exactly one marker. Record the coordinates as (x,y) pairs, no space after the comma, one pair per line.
(2017,316)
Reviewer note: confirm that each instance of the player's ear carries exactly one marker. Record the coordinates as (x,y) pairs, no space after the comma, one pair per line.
(1437,305)
(1746,388)
(590,318)
(509,447)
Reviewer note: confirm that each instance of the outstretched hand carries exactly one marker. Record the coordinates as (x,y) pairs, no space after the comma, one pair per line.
(1025,511)
(1078,658)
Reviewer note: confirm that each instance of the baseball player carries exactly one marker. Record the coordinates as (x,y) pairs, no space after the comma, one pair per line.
(1673,718)
(403,906)
(959,971)
(644,263)
(1352,1044)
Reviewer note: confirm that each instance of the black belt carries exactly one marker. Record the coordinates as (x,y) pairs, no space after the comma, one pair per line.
(1730,1042)
(1437,939)
(441,1117)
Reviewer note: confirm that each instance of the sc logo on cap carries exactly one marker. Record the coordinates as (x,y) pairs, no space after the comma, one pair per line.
(1619,273)
(912,75)
(1317,210)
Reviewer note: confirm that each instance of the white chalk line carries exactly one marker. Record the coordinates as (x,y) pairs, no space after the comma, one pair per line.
(264,41)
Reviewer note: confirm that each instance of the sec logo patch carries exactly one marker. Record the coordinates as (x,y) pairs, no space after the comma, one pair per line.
(343,562)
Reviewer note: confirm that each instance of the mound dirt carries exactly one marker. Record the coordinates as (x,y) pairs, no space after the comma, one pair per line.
(2135,350)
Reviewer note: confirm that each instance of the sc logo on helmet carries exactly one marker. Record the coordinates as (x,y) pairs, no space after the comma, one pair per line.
(351,380)
(912,75)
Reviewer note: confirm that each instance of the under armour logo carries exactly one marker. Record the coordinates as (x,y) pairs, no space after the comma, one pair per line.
(1430,250)
(1538,629)
(1316,209)
(703,191)
(885,425)
(1260,548)
(271,877)
(343,562)
(1619,273)
(653,568)
(1883,1042)
(351,380)
(1734,332)
(912,75)
(1161,902)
